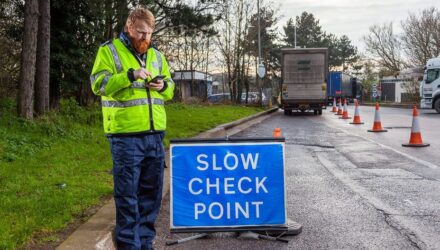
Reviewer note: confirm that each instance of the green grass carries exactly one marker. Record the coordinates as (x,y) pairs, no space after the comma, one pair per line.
(188,120)
(55,168)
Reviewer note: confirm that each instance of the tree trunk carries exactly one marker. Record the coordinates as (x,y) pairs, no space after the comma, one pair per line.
(85,96)
(109,10)
(55,95)
(43,59)
(122,13)
(28,56)
(56,18)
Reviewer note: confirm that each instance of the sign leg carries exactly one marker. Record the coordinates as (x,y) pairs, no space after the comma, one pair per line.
(256,236)
(194,237)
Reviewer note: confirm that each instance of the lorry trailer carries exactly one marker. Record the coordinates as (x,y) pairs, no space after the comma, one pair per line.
(304,79)
(341,85)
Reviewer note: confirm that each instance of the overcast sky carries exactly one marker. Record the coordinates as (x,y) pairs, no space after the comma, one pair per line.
(352,17)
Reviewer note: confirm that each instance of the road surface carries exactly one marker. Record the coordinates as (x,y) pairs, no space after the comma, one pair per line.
(350,189)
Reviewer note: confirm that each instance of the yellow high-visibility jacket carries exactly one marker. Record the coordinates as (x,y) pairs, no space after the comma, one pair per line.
(129,107)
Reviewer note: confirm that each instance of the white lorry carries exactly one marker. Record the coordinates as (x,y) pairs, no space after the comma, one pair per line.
(304,72)
(430,85)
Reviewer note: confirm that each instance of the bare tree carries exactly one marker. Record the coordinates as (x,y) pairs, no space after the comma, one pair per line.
(421,36)
(189,51)
(28,56)
(232,29)
(366,72)
(412,88)
(43,52)
(385,47)
(224,40)
(238,51)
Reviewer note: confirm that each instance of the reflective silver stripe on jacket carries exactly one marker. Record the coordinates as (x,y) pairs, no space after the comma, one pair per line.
(159,60)
(103,84)
(95,76)
(138,85)
(131,103)
(115,57)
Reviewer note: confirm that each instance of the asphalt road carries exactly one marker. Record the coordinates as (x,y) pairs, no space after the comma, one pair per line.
(350,189)
(398,122)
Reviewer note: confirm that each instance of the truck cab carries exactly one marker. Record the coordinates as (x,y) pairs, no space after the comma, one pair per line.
(430,85)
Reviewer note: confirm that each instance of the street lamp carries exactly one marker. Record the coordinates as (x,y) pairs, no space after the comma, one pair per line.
(261,70)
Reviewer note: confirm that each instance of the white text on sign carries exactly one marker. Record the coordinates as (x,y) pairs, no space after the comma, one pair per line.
(228,186)
(230,161)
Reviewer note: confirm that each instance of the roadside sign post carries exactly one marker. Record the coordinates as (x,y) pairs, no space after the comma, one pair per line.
(261,70)
(376,91)
(225,185)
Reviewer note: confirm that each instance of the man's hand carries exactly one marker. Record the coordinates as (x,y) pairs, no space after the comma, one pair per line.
(141,74)
(156,85)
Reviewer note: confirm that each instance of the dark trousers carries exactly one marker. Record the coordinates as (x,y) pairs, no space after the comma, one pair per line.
(138,163)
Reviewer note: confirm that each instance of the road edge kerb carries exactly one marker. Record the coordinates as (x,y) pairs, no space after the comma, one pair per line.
(221,130)
(230,125)
(96,233)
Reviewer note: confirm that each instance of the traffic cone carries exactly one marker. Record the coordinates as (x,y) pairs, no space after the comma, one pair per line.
(357,117)
(345,112)
(334,109)
(276,132)
(415,140)
(377,126)
(339,108)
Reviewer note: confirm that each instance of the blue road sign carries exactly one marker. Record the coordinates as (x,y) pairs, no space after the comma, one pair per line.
(227,185)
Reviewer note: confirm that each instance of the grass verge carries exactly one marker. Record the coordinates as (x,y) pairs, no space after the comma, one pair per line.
(54,169)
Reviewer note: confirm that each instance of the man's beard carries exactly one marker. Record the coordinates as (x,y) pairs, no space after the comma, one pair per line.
(141,46)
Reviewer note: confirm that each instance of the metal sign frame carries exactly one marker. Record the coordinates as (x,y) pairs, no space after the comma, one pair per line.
(231,141)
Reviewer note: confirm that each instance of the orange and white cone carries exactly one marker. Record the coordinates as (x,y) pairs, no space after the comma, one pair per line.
(377,126)
(415,140)
(276,132)
(334,109)
(345,112)
(340,112)
(357,117)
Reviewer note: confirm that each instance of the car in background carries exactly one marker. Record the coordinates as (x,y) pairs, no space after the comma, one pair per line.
(220,97)
(253,97)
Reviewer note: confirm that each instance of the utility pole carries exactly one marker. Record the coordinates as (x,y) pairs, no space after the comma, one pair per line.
(261,70)
(259,35)
(294,30)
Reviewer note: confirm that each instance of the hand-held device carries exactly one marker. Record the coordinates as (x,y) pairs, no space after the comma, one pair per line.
(156,78)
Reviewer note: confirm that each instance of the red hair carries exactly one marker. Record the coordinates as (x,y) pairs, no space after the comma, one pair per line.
(140,13)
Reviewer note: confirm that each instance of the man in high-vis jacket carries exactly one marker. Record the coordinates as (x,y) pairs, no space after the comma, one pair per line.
(134,122)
